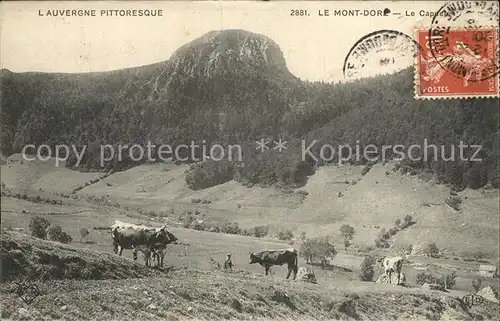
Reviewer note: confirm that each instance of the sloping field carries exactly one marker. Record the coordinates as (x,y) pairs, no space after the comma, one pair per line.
(336,195)
(24,256)
(21,175)
(196,248)
(190,294)
(150,181)
(382,196)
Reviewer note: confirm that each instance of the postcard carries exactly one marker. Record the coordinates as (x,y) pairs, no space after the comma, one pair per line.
(249,160)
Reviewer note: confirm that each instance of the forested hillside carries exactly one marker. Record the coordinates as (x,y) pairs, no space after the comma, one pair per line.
(232,87)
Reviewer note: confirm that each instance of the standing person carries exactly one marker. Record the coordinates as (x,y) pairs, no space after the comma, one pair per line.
(228,264)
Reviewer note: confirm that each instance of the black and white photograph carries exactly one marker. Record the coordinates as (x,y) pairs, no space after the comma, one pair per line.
(250,160)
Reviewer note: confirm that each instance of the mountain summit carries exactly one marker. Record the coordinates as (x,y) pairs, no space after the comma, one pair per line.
(233,87)
(224,51)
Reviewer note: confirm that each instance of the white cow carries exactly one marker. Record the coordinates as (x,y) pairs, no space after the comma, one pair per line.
(120,224)
(392,264)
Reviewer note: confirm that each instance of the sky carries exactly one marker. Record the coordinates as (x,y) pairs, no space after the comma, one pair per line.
(314,46)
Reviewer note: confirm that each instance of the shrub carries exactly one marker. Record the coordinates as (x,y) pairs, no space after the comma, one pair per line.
(393,231)
(397,222)
(405,250)
(426,277)
(454,202)
(195,200)
(431,250)
(478,255)
(381,243)
(367,268)
(260,231)
(38,227)
(198,225)
(407,221)
(302,237)
(208,174)
(214,229)
(447,281)
(284,235)
(319,247)
(186,218)
(83,233)
(476,284)
(450,281)
(348,233)
(384,235)
(230,228)
(55,233)
(246,232)
(476,177)
(186,223)
(272,167)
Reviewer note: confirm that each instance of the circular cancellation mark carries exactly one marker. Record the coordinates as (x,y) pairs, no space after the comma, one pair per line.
(463,39)
(380,52)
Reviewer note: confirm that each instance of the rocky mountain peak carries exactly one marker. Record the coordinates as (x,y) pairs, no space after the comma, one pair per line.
(222,51)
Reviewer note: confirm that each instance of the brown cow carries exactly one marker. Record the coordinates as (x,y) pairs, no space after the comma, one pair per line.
(139,238)
(277,257)
(158,249)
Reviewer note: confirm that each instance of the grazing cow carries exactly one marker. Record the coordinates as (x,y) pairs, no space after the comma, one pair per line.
(139,238)
(392,264)
(277,257)
(158,249)
(119,226)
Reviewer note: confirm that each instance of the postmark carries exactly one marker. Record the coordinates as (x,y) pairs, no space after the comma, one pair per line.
(465,14)
(476,16)
(464,64)
(380,52)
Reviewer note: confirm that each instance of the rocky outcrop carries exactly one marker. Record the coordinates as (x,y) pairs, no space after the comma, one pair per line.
(306,275)
(222,51)
(489,294)
(429,287)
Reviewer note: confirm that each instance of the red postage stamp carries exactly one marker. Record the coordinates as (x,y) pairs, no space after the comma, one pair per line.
(457,64)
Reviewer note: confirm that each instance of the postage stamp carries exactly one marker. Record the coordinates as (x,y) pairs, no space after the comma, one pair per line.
(457,64)
(460,56)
